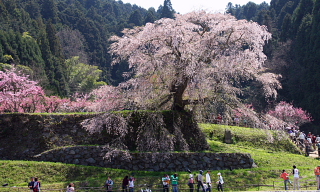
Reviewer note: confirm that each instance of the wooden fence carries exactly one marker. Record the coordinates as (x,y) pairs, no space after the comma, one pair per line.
(275,186)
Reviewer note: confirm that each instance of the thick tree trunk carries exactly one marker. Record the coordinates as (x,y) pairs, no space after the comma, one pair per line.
(177,89)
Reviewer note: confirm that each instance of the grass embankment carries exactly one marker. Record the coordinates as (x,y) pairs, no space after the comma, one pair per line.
(271,150)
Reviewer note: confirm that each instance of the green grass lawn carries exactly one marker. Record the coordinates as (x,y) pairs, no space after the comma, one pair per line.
(271,150)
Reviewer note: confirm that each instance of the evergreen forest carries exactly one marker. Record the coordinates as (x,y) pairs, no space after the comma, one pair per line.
(65,43)
(47,35)
(294,50)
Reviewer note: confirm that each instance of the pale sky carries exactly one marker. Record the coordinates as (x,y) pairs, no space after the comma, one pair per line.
(185,6)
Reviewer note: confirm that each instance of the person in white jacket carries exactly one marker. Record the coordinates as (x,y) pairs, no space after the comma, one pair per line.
(131,185)
(302,138)
(208,181)
(70,187)
(220,182)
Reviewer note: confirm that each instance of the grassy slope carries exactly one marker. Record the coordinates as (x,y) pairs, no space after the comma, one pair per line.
(270,150)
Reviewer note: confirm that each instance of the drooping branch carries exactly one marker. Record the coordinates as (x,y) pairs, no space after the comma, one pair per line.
(189,54)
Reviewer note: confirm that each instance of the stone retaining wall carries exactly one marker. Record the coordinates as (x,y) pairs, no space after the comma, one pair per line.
(100,156)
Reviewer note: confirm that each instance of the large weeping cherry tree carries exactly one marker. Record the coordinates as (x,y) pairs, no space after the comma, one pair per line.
(190,59)
(182,62)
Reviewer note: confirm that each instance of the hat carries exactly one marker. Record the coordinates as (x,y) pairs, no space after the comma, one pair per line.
(191,176)
(201,171)
(219,174)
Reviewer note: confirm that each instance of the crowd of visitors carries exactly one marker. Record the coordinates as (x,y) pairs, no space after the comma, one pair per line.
(200,181)
(309,142)
(172,182)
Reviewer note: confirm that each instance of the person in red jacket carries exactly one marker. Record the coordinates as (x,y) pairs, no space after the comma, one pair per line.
(285,176)
(317,174)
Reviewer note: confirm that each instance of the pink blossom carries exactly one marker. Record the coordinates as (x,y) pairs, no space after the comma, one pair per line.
(291,115)
(191,59)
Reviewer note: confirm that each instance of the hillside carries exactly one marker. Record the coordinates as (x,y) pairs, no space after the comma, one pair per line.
(270,161)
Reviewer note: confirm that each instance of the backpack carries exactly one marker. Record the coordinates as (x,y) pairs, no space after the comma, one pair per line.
(191,181)
(36,187)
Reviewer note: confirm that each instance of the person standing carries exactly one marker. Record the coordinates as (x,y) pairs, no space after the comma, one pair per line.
(30,184)
(191,183)
(296,178)
(109,184)
(220,182)
(125,183)
(208,181)
(307,147)
(317,174)
(70,187)
(175,182)
(36,185)
(200,181)
(318,139)
(285,176)
(302,138)
(313,138)
(131,184)
(165,183)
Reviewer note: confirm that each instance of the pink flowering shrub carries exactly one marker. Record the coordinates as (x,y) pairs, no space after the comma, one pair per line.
(289,114)
(53,104)
(18,93)
(283,115)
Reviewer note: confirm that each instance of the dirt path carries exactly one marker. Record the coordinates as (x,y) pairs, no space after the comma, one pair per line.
(314,154)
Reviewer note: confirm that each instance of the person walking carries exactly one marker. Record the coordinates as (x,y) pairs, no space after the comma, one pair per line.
(317,174)
(125,183)
(200,181)
(70,187)
(36,185)
(131,184)
(318,139)
(302,138)
(285,176)
(313,138)
(308,144)
(31,183)
(296,178)
(191,183)
(220,182)
(109,184)
(208,181)
(175,182)
(165,183)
